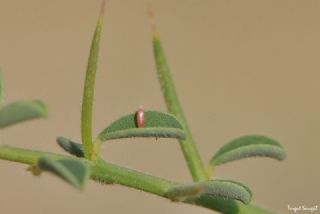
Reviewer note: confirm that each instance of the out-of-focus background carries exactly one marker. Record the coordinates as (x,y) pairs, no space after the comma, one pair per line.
(240,67)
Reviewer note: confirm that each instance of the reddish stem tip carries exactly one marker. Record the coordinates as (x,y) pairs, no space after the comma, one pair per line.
(151,18)
(103,5)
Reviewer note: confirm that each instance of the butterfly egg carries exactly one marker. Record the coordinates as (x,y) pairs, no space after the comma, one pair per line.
(140,117)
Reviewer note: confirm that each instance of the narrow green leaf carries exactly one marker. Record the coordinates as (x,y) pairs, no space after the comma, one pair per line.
(188,145)
(88,91)
(157,124)
(216,188)
(72,171)
(70,146)
(248,146)
(21,111)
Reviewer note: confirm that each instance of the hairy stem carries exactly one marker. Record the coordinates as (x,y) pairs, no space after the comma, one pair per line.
(104,172)
(188,146)
(110,173)
(26,156)
(88,92)
(101,171)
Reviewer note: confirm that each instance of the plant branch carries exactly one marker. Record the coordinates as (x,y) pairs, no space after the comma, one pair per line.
(88,92)
(188,146)
(101,171)
(26,156)
(104,172)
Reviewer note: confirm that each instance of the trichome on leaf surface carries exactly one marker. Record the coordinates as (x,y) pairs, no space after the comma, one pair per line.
(225,196)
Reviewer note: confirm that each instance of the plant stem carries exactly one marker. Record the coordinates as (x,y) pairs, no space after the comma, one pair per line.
(101,171)
(26,156)
(110,173)
(88,92)
(188,146)
(96,148)
(104,172)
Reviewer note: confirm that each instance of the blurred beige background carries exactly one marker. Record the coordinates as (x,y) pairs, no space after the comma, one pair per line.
(240,67)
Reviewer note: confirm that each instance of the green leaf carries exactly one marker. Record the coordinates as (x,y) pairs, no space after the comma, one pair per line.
(21,111)
(248,146)
(88,91)
(216,188)
(157,124)
(70,146)
(72,171)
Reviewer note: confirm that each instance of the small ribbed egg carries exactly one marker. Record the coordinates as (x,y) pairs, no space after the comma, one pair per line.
(140,117)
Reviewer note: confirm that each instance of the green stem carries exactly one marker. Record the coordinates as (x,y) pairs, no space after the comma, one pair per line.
(188,146)
(104,172)
(88,92)
(101,171)
(96,148)
(26,156)
(110,173)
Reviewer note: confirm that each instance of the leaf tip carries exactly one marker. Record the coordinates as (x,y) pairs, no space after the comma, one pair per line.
(73,171)
(70,146)
(43,108)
